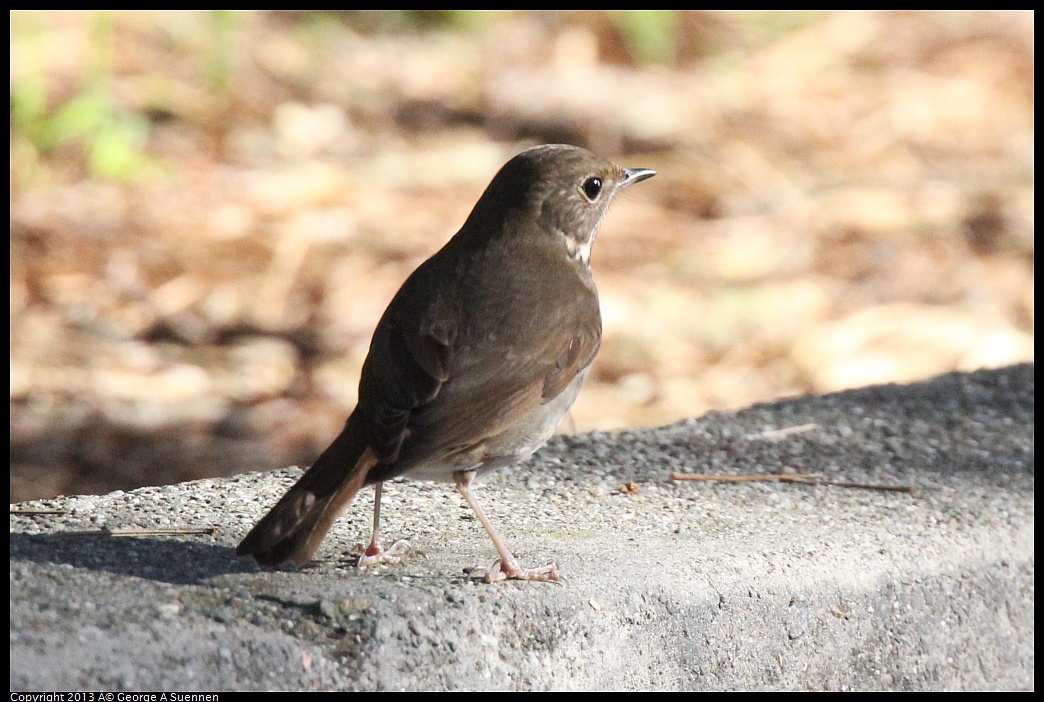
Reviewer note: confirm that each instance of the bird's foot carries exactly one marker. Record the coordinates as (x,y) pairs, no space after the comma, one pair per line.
(375,554)
(511,570)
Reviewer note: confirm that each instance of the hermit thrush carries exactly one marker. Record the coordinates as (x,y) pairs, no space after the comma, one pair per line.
(477,359)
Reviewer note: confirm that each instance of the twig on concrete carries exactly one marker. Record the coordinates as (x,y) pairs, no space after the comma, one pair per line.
(790,478)
(784,432)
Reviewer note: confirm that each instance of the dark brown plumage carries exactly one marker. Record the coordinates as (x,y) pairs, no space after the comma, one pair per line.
(477,359)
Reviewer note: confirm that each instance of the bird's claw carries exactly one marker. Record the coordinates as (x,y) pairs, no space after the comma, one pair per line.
(375,554)
(511,570)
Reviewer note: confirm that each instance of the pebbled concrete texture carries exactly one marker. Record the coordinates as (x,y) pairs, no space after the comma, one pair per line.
(669,585)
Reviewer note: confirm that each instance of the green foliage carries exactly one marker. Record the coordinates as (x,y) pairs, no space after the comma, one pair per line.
(111,138)
(222,29)
(652,35)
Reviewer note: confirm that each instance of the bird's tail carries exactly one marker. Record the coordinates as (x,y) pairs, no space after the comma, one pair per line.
(295,527)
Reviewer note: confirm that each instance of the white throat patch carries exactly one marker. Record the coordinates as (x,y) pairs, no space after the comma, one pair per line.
(579,252)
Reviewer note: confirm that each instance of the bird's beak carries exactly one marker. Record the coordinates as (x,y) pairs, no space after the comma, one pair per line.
(636,175)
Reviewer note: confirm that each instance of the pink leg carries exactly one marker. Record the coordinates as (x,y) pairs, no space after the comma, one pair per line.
(375,554)
(507,568)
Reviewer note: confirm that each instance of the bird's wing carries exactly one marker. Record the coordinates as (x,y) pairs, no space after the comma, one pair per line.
(437,382)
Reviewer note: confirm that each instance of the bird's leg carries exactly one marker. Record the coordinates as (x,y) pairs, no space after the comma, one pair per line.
(507,568)
(375,554)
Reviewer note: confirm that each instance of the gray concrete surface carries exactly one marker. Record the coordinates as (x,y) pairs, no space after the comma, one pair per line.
(669,585)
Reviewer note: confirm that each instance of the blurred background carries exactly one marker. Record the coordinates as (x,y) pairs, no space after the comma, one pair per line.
(210,210)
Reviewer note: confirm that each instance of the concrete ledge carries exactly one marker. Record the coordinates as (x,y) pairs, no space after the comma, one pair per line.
(670,585)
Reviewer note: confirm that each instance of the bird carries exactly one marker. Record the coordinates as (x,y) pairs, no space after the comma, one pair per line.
(476,360)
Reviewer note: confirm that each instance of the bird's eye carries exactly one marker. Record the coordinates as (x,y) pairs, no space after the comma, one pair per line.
(592,188)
